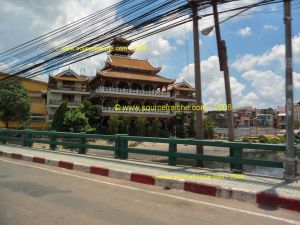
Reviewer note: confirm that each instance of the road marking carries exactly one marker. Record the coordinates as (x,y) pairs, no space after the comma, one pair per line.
(161,194)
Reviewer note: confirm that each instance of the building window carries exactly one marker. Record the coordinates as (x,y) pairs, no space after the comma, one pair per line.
(68,98)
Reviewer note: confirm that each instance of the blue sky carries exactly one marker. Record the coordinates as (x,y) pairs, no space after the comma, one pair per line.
(254,44)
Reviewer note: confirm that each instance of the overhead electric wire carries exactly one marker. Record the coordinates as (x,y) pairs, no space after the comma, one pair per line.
(140,22)
(94,54)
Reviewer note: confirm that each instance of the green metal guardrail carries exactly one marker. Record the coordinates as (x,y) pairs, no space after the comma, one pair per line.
(80,140)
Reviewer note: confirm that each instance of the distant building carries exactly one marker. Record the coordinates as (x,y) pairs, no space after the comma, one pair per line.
(244,116)
(35,90)
(220,118)
(297,111)
(66,86)
(265,120)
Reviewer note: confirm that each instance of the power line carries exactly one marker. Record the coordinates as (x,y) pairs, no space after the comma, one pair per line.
(136,20)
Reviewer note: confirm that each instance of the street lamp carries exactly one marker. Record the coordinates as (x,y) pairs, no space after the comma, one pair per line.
(207,30)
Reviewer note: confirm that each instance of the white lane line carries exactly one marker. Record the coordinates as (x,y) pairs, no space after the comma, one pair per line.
(162,194)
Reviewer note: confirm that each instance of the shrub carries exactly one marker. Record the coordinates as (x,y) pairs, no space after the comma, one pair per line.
(76,121)
(113,124)
(245,139)
(141,125)
(262,139)
(209,127)
(164,134)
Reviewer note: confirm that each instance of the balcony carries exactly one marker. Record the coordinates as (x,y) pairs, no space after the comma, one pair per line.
(56,103)
(71,88)
(186,97)
(140,112)
(123,91)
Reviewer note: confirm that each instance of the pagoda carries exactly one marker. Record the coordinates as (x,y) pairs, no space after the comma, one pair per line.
(125,81)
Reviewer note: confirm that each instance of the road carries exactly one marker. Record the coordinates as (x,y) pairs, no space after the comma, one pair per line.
(33,194)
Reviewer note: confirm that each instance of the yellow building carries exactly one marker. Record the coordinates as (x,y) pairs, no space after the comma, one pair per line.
(35,89)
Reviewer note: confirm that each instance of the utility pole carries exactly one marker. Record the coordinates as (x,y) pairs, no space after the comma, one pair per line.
(199,113)
(223,61)
(290,160)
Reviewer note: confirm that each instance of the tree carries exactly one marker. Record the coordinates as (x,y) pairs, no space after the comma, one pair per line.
(14,102)
(192,125)
(59,117)
(297,124)
(124,125)
(113,124)
(180,129)
(155,128)
(76,121)
(209,127)
(93,113)
(141,126)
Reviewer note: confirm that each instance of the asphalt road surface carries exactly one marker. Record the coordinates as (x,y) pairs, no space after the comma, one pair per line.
(33,194)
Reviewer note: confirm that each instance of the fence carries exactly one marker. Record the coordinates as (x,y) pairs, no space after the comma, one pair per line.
(251,131)
(80,141)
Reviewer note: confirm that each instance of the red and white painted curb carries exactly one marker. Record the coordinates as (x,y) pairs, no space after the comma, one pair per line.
(261,198)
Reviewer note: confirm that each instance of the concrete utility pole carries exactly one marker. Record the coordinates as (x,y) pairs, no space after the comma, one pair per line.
(223,61)
(290,161)
(199,113)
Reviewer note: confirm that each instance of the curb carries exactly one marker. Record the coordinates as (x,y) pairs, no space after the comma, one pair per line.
(261,198)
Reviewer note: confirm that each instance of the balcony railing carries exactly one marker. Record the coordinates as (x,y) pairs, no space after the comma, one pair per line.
(69,88)
(144,112)
(124,91)
(185,97)
(58,102)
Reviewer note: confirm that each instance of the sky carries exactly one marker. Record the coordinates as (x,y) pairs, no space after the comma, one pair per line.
(254,39)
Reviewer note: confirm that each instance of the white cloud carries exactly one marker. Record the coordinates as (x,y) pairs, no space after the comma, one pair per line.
(180,42)
(296,80)
(276,54)
(212,81)
(244,32)
(266,94)
(270,27)
(250,99)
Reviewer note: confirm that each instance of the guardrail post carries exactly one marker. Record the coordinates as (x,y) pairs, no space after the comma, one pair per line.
(29,138)
(123,147)
(52,139)
(117,146)
(24,137)
(238,154)
(172,161)
(3,136)
(82,142)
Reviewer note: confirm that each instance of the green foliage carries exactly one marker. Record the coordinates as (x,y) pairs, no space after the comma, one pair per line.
(76,121)
(113,124)
(297,124)
(245,139)
(59,117)
(209,127)
(262,139)
(192,125)
(141,126)
(180,129)
(14,102)
(124,125)
(164,134)
(155,128)
(93,113)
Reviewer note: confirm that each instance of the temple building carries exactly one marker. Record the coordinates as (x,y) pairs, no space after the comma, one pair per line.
(183,95)
(125,81)
(67,86)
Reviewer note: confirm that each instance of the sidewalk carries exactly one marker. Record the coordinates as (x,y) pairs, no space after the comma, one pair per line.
(259,189)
